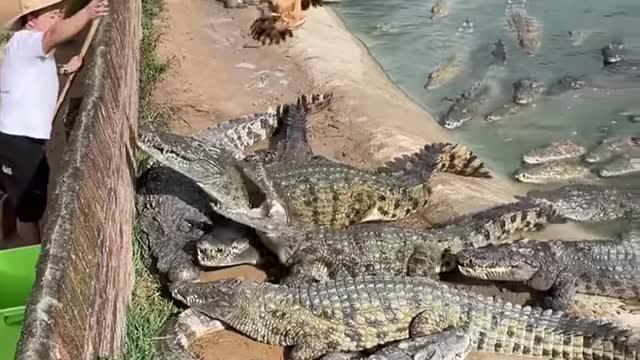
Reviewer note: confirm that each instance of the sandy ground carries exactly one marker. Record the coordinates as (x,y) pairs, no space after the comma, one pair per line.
(219,73)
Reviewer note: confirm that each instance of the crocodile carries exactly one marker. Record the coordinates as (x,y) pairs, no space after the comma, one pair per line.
(174,213)
(504,110)
(611,147)
(319,253)
(554,172)
(527,90)
(443,73)
(528,30)
(358,314)
(565,84)
(223,144)
(277,23)
(439,9)
(466,106)
(589,202)
(620,166)
(613,53)
(577,37)
(560,268)
(498,53)
(558,150)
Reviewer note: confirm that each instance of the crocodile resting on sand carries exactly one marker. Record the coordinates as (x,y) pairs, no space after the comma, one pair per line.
(558,150)
(302,187)
(356,314)
(320,253)
(561,268)
(584,202)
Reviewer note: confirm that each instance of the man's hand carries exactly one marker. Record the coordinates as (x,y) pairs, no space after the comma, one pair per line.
(74,64)
(96,8)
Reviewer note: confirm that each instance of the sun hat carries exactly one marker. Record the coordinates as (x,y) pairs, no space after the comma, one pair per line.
(25,7)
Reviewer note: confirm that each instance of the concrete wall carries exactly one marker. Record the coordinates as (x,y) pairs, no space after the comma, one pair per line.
(84,276)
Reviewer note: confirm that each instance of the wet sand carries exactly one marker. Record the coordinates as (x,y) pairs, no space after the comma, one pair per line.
(219,73)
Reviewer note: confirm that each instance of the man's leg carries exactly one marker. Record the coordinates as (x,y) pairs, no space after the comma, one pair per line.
(32,205)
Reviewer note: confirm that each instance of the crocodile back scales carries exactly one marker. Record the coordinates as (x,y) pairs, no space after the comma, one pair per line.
(353,314)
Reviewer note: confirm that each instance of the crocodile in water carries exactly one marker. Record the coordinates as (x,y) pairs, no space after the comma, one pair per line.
(467,105)
(558,150)
(584,202)
(561,268)
(570,170)
(355,314)
(320,253)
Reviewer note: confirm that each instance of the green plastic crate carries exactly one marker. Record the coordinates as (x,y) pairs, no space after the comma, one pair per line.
(17,276)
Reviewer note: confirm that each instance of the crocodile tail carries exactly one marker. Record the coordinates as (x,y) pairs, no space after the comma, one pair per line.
(506,328)
(458,159)
(181,331)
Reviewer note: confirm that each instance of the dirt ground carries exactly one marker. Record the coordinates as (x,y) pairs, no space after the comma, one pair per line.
(219,72)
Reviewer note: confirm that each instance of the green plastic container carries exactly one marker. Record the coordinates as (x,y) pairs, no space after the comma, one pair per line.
(17,276)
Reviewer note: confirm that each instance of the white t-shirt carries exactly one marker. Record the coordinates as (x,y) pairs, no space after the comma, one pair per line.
(28,86)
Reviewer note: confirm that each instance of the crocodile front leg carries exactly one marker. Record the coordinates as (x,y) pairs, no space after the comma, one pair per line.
(453,344)
(562,293)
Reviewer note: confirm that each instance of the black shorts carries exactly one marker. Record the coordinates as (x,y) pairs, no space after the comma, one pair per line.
(25,175)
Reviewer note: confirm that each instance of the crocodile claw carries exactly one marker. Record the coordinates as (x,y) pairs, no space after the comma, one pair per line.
(270,29)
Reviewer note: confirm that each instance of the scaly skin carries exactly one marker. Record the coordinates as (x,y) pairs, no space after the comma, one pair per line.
(321,253)
(443,73)
(527,29)
(555,172)
(350,314)
(211,155)
(582,202)
(597,267)
(620,166)
(324,192)
(559,150)
(613,146)
(466,106)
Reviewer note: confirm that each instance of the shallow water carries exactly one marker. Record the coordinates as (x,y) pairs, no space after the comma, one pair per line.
(407,43)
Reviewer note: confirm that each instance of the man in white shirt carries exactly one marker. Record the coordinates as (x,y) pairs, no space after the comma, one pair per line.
(29,89)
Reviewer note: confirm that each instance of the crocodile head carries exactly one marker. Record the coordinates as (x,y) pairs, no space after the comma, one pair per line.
(578,202)
(612,53)
(503,262)
(611,147)
(565,84)
(226,246)
(220,299)
(210,167)
(456,118)
(441,74)
(556,171)
(622,165)
(527,90)
(554,151)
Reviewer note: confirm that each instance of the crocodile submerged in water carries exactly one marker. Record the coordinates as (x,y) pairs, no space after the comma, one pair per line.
(570,170)
(439,9)
(559,150)
(320,253)
(358,314)
(584,202)
(613,146)
(443,73)
(528,30)
(302,187)
(621,166)
(560,268)
(467,105)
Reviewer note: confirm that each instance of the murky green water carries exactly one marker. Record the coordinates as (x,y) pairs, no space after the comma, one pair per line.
(408,44)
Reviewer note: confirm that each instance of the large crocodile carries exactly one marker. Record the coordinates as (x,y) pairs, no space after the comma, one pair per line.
(571,170)
(356,314)
(561,268)
(443,73)
(613,146)
(558,150)
(588,202)
(467,105)
(528,30)
(320,253)
(312,189)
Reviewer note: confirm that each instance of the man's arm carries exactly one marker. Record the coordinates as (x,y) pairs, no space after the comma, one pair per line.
(67,28)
